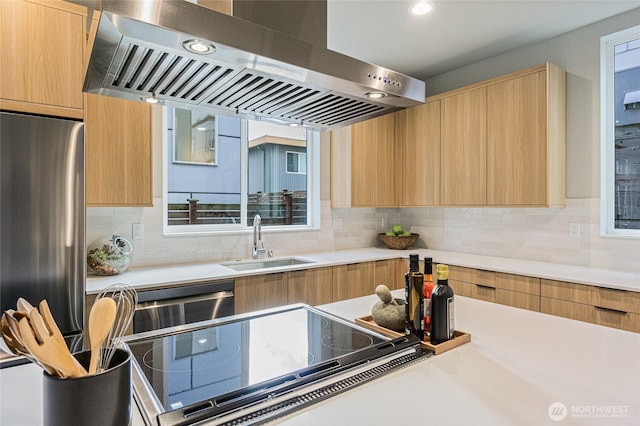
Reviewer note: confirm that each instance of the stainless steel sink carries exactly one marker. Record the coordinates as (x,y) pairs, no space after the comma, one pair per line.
(248,265)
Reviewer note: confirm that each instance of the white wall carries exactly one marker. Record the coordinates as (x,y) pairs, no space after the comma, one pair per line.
(536,234)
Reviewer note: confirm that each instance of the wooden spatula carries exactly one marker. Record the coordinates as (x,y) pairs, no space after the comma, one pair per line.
(101,318)
(49,352)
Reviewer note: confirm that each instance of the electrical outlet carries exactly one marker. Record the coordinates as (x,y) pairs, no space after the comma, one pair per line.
(138,231)
(574,229)
(337,224)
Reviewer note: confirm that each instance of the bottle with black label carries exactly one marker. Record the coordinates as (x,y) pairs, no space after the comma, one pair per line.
(414,297)
(442,312)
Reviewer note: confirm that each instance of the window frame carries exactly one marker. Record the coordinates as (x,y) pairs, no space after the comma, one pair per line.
(607,133)
(313,190)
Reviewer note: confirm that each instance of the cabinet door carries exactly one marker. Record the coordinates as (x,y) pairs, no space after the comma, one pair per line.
(42,57)
(353,280)
(373,165)
(118,152)
(517,141)
(418,155)
(390,273)
(311,286)
(260,292)
(464,148)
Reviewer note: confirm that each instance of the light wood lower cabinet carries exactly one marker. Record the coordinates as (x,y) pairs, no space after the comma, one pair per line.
(496,295)
(260,292)
(353,280)
(390,273)
(507,289)
(604,306)
(311,286)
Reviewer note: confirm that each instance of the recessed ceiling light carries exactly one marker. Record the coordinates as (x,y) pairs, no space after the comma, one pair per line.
(200,47)
(375,95)
(293,124)
(422,8)
(151,100)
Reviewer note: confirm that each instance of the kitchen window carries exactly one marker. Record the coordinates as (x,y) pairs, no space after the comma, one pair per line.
(620,133)
(255,168)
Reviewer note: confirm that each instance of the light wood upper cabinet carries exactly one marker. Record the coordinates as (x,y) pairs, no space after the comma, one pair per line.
(464,148)
(118,152)
(526,139)
(499,142)
(42,58)
(418,155)
(373,163)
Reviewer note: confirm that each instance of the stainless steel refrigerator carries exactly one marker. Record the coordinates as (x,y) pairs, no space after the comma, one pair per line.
(42,218)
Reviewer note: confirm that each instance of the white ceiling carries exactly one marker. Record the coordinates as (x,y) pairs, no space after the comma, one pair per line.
(457,32)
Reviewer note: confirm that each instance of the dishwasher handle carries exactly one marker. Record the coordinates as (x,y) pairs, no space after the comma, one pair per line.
(183,300)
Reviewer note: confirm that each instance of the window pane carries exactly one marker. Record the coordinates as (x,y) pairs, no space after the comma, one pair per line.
(195,137)
(277,189)
(292,162)
(626,100)
(198,195)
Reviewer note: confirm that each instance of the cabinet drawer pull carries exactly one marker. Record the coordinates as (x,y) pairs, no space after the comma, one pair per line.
(615,311)
(485,286)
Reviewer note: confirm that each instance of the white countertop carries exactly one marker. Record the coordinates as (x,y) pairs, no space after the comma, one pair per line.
(179,274)
(516,366)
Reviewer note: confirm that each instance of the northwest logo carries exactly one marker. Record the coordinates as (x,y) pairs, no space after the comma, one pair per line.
(557,411)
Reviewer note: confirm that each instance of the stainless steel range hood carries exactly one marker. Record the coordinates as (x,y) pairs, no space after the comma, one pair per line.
(253,71)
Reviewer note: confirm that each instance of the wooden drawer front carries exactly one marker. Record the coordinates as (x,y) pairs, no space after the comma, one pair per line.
(519,283)
(589,313)
(486,278)
(459,273)
(620,300)
(496,295)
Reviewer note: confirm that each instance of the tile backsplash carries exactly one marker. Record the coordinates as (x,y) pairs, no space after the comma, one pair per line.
(541,234)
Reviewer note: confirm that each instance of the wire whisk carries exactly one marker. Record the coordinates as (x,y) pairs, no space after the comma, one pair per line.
(126,299)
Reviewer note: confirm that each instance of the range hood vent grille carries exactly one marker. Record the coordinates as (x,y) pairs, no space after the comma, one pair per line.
(291,81)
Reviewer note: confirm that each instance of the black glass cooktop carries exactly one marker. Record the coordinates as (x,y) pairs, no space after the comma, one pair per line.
(203,363)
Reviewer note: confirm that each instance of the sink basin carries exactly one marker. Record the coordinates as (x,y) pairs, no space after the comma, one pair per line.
(248,265)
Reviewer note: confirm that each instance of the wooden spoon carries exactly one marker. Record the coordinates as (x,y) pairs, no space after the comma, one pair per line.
(101,318)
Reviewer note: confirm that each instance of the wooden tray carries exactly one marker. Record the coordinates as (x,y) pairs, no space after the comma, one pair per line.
(459,337)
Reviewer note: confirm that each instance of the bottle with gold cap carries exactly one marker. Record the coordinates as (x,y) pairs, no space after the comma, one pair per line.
(442,313)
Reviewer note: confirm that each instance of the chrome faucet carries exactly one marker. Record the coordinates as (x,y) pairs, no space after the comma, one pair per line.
(258,244)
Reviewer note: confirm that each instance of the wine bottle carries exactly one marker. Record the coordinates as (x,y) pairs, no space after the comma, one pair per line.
(442,313)
(414,296)
(428,288)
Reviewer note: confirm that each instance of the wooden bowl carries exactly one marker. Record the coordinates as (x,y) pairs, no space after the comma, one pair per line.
(398,242)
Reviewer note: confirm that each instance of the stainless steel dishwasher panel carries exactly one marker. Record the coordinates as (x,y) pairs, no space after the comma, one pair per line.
(185,304)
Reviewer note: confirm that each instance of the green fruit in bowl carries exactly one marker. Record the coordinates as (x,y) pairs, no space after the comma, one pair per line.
(390,234)
(397,229)
(405,234)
